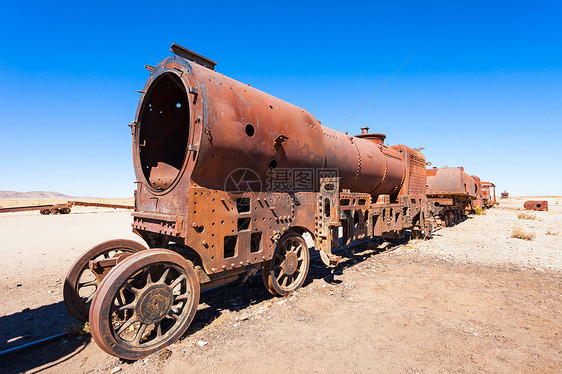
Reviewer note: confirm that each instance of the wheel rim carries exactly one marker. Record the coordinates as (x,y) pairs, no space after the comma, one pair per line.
(81,283)
(151,314)
(288,268)
(144,304)
(288,263)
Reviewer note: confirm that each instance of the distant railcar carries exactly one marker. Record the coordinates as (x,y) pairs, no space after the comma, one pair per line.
(450,191)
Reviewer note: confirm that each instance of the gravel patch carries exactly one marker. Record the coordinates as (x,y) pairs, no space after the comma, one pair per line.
(486,239)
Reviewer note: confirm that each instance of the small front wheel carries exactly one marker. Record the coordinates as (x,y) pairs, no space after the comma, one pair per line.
(145,303)
(81,282)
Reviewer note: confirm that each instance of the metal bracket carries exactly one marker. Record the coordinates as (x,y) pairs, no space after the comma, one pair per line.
(192,56)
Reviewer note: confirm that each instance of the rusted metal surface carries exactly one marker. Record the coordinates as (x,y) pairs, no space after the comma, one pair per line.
(289,267)
(489,194)
(145,303)
(88,270)
(219,137)
(540,205)
(478,202)
(220,168)
(450,183)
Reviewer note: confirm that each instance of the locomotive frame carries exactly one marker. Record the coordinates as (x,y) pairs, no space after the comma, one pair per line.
(203,230)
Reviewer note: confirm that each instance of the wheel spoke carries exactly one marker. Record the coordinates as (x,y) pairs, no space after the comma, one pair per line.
(88,284)
(89,299)
(294,247)
(120,298)
(127,306)
(130,288)
(177,281)
(159,329)
(164,276)
(182,297)
(146,273)
(126,325)
(140,333)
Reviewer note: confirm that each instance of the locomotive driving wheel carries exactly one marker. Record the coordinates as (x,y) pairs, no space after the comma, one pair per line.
(145,303)
(81,282)
(287,270)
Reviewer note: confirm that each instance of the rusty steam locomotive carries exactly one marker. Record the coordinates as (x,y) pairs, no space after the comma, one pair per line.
(229,180)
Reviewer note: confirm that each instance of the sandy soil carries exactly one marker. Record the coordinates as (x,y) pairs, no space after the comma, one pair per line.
(489,238)
(471,299)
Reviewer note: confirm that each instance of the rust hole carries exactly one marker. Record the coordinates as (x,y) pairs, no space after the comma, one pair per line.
(250,131)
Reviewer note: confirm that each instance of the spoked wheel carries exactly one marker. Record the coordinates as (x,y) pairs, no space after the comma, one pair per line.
(81,282)
(145,303)
(287,270)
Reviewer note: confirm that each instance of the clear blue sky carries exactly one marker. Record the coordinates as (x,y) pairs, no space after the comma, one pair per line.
(482,88)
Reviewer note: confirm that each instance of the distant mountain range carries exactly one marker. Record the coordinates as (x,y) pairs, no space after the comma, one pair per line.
(5,195)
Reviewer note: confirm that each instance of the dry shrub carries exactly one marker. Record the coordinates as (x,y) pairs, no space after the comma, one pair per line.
(552,232)
(479,211)
(526,216)
(77,329)
(519,233)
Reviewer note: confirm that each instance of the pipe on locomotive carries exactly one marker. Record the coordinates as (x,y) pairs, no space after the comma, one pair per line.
(192,121)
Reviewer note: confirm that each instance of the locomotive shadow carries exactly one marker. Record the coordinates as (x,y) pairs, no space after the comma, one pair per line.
(237,296)
(31,325)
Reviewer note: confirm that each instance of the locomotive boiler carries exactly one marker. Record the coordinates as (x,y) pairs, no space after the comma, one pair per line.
(229,180)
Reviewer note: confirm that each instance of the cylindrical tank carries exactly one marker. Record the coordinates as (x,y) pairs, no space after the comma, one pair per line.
(194,123)
(450,181)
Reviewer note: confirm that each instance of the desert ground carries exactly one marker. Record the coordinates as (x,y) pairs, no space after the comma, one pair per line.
(471,299)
